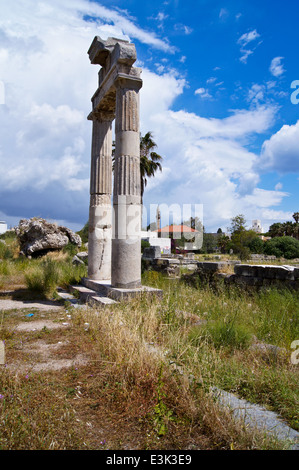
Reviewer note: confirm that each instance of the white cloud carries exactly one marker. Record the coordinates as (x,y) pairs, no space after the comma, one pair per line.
(223,14)
(211,80)
(246,54)
(244,40)
(203,93)
(278,186)
(276,67)
(256,93)
(273,215)
(248,37)
(182,28)
(281,152)
(48,82)
(265,198)
(45,144)
(161,16)
(207,161)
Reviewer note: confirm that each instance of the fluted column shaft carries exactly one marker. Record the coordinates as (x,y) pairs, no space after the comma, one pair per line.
(126,249)
(100,211)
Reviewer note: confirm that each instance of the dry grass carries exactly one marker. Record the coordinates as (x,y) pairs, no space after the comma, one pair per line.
(127,397)
(142,370)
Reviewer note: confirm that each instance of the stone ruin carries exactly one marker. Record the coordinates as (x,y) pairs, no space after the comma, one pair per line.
(114,242)
(37,236)
(247,276)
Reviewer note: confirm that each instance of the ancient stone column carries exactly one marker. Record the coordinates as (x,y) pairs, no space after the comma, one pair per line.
(126,249)
(100,211)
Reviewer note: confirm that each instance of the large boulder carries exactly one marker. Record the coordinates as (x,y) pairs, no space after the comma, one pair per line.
(37,236)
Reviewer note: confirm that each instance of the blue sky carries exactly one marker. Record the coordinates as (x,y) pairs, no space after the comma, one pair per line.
(216,95)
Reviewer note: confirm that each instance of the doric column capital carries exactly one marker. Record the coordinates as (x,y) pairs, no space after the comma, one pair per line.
(102,116)
(129,82)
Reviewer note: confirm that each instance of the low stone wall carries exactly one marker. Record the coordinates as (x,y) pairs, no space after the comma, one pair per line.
(247,275)
(265,275)
(169,266)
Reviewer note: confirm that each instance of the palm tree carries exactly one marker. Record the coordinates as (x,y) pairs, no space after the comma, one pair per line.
(288,229)
(150,161)
(296,217)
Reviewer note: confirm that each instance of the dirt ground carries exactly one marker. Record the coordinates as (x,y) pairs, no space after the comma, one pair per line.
(42,339)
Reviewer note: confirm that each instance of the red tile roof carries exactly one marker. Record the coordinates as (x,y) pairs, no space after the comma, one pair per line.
(176,229)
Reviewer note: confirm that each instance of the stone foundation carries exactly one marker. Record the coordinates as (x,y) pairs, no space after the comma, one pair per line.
(169,266)
(248,276)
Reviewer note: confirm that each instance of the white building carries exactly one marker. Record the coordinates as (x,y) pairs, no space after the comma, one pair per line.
(257,226)
(163,243)
(3,227)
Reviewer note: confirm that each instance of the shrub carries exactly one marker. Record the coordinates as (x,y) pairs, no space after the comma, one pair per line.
(5,251)
(44,278)
(70,249)
(256,245)
(288,247)
(144,244)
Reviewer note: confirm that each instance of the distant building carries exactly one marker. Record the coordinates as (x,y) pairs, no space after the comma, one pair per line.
(257,226)
(175,231)
(153,240)
(3,227)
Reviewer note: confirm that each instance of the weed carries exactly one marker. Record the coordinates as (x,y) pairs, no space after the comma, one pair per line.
(223,334)
(45,276)
(162,414)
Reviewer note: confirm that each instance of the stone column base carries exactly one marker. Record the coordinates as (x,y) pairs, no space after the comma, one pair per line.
(118,293)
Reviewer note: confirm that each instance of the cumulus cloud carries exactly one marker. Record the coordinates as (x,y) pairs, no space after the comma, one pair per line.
(265,198)
(48,83)
(208,163)
(45,136)
(281,152)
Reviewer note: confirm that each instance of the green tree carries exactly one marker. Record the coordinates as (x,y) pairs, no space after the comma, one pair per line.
(223,242)
(150,161)
(240,237)
(276,230)
(288,229)
(209,243)
(296,217)
(238,224)
(240,242)
(256,245)
(287,247)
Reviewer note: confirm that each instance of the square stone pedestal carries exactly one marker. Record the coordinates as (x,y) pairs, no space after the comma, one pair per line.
(102,292)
